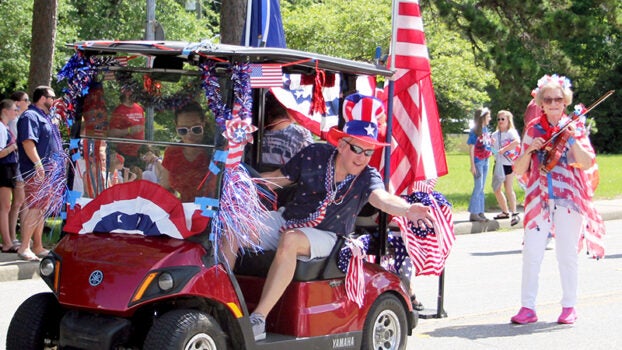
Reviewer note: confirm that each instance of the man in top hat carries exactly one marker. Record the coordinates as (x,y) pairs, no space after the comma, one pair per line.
(334,182)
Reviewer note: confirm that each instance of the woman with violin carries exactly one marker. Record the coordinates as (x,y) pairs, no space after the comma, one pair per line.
(556,152)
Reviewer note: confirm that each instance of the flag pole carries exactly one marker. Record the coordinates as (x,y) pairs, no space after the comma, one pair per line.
(387,153)
(247,30)
(383,224)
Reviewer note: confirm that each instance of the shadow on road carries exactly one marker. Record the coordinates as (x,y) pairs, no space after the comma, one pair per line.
(507,252)
(475,332)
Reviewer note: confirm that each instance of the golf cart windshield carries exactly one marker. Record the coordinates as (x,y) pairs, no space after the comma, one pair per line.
(179,114)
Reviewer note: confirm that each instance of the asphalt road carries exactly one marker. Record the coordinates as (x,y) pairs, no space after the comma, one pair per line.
(482,292)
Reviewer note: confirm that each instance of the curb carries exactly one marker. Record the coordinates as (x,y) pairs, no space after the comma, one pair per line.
(608,210)
(15,269)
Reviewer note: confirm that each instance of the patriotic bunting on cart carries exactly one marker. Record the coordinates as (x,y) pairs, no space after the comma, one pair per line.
(137,207)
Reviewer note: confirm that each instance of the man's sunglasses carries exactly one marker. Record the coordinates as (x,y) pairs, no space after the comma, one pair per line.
(358,150)
(195,130)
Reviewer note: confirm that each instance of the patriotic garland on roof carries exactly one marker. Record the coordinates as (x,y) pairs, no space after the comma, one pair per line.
(148,93)
(80,72)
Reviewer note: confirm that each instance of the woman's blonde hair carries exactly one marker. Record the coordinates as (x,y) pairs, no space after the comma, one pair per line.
(508,115)
(552,85)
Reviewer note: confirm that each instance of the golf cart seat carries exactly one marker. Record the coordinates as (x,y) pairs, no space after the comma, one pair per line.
(253,264)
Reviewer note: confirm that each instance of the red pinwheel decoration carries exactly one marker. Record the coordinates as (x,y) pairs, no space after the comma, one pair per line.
(239,131)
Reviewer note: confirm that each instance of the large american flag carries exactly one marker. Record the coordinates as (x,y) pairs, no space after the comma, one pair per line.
(418,151)
(417,148)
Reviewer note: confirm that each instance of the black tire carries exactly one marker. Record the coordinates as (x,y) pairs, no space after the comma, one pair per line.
(185,330)
(35,324)
(385,325)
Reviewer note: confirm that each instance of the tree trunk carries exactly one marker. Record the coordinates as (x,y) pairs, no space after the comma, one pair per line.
(42,46)
(232,16)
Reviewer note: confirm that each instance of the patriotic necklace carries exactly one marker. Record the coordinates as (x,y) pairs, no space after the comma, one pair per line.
(331,197)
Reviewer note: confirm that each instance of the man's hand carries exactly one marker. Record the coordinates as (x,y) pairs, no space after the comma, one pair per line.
(421,215)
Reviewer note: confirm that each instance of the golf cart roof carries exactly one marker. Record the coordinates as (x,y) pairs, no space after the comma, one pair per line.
(293,61)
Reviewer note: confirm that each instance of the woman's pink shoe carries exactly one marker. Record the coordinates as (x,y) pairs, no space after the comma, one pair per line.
(568,316)
(525,316)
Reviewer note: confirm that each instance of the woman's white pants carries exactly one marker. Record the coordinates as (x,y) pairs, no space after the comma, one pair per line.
(567,225)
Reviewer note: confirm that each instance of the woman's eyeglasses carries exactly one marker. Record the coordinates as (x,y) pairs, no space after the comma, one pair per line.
(549,100)
(195,130)
(500,119)
(358,150)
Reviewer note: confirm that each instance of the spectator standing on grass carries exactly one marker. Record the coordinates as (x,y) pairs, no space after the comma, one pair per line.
(479,142)
(506,143)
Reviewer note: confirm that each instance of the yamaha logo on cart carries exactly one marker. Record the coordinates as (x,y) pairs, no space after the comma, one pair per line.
(96,278)
(346,342)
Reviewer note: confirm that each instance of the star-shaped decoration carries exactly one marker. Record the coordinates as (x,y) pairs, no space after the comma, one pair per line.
(371,131)
(239,131)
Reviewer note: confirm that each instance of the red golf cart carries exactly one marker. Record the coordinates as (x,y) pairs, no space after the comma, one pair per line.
(140,267)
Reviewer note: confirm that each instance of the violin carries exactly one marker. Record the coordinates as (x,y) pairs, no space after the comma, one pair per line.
(555,145)
(554,150)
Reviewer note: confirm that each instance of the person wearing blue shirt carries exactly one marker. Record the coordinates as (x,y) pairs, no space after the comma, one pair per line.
(36,144)
(334,182)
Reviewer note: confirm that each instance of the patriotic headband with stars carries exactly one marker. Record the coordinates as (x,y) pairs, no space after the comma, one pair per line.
(361,113)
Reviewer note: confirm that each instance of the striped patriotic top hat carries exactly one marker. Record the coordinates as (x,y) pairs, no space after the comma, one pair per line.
(361,113)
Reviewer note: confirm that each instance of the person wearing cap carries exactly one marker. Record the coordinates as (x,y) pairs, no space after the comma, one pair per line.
(334,182)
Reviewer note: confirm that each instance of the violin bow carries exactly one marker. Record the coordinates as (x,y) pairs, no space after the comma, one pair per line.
(587,110)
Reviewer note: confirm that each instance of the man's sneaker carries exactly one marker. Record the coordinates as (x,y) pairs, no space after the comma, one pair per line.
(568,316)
(258,321)
(525,316)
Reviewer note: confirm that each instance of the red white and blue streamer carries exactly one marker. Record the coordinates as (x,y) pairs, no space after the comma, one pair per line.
(355,277)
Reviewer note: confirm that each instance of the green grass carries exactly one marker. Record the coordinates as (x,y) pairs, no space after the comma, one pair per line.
(458,184)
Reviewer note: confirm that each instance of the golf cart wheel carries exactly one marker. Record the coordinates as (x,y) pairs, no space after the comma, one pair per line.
(385,326)
(187,330)
(35,324)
